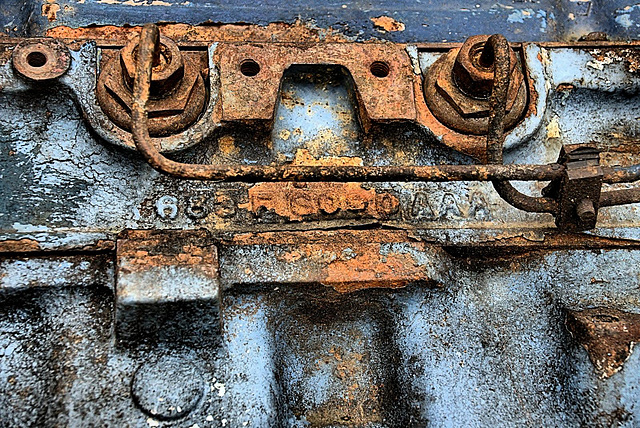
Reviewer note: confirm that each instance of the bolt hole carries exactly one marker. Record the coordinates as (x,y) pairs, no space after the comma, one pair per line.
(36,59)
(249,67)
(379,69)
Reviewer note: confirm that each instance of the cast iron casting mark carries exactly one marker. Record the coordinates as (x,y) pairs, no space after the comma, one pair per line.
(151,88)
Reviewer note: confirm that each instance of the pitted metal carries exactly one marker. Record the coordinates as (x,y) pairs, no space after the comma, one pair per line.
(377,303)
(41,59)
(457,88)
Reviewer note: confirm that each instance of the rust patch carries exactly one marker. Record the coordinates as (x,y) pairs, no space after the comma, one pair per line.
(351,237)
(382,98)
(562,87)
(303,157)
(360,404)
(296,200)
(50,9)
(351,266)
(608,335)
(386,23)
(227,145)
(144,249)
(371,269)
(345,260)
(19,246)
(624,141)
(603,57)
(184,33)
(100,245)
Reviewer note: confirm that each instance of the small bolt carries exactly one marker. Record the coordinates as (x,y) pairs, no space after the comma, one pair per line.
(586,211)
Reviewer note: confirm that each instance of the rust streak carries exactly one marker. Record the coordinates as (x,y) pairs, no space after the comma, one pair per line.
(19,246)
(185,33)
(350,237)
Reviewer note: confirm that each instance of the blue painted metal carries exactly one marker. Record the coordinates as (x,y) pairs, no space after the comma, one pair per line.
(423,21)
(481,341)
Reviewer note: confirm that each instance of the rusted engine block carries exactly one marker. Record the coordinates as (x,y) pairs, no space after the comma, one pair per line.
(205,230)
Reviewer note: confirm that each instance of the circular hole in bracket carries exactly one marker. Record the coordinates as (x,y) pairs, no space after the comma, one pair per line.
(379,69)
(41,59)
(36,59)
(249,67)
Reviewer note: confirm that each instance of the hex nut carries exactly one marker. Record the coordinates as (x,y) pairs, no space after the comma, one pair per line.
(175,104)
(466,110)
(166,74)
(473,77)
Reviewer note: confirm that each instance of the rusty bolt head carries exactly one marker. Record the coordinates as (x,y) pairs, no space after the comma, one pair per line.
(458,85)
(41,59)
(168,68)
(472,73)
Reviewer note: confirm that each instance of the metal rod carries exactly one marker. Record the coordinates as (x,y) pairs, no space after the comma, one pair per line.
(621,174)
(499,46)
(620,197)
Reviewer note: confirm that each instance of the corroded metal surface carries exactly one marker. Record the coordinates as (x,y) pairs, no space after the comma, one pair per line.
(383,98)
(457,89)
(131,298)
(608,335)
(41,59)
(497,114)
(165,283)
(177,87)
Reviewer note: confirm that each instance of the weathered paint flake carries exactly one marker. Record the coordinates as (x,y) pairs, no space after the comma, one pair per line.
(386,23)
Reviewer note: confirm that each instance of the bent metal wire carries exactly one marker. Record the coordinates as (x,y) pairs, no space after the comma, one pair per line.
(495,171)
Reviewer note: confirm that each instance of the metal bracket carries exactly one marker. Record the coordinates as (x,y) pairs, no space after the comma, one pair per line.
(578,191)
(167,283)
(574,196)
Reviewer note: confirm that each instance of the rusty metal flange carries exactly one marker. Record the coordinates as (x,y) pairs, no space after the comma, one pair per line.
(41,59)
